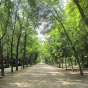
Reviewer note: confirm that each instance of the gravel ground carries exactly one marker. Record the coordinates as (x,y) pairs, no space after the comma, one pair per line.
(44,76)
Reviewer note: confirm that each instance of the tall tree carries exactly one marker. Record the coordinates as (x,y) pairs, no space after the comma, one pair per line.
(81,11)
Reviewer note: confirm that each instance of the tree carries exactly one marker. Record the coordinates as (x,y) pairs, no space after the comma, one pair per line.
(81,11)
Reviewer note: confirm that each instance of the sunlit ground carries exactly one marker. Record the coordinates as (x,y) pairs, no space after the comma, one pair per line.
(44,76)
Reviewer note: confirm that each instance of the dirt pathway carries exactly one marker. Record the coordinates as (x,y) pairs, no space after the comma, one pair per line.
(44,76)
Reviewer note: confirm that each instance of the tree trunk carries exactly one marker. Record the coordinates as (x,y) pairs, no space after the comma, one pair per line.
(12,53)
(1,58)
(65,63)
(76,54)
(25,41)
(81,11)
(58,18)
(62,63)
(17,48)
(82,59)
(72,64)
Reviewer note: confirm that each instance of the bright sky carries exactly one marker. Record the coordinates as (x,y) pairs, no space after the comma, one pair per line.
(40,35)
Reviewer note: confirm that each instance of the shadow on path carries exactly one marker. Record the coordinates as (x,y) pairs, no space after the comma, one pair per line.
(44,76)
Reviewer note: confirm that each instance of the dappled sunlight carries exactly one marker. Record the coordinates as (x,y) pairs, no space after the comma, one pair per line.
(53,72)
(37,75)
(19,84)
(44,76)
(66,83)
(76,82)
(43,43)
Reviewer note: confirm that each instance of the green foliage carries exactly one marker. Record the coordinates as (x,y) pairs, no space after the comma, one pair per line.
(26,16)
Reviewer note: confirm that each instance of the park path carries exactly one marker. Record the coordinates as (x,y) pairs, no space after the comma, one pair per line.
(44,76)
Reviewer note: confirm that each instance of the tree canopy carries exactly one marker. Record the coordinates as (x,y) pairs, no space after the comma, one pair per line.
(64,24)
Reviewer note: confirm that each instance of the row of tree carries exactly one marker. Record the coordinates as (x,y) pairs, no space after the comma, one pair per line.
(67,36)
(18,40)
(65,26)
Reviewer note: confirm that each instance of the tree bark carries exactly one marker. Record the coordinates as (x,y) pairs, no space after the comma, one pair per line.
(65,63)
(12,50)
(25,41)
(1,58)
(17,48)
(72,64)
(58,18)
(76,54)
(81,11)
